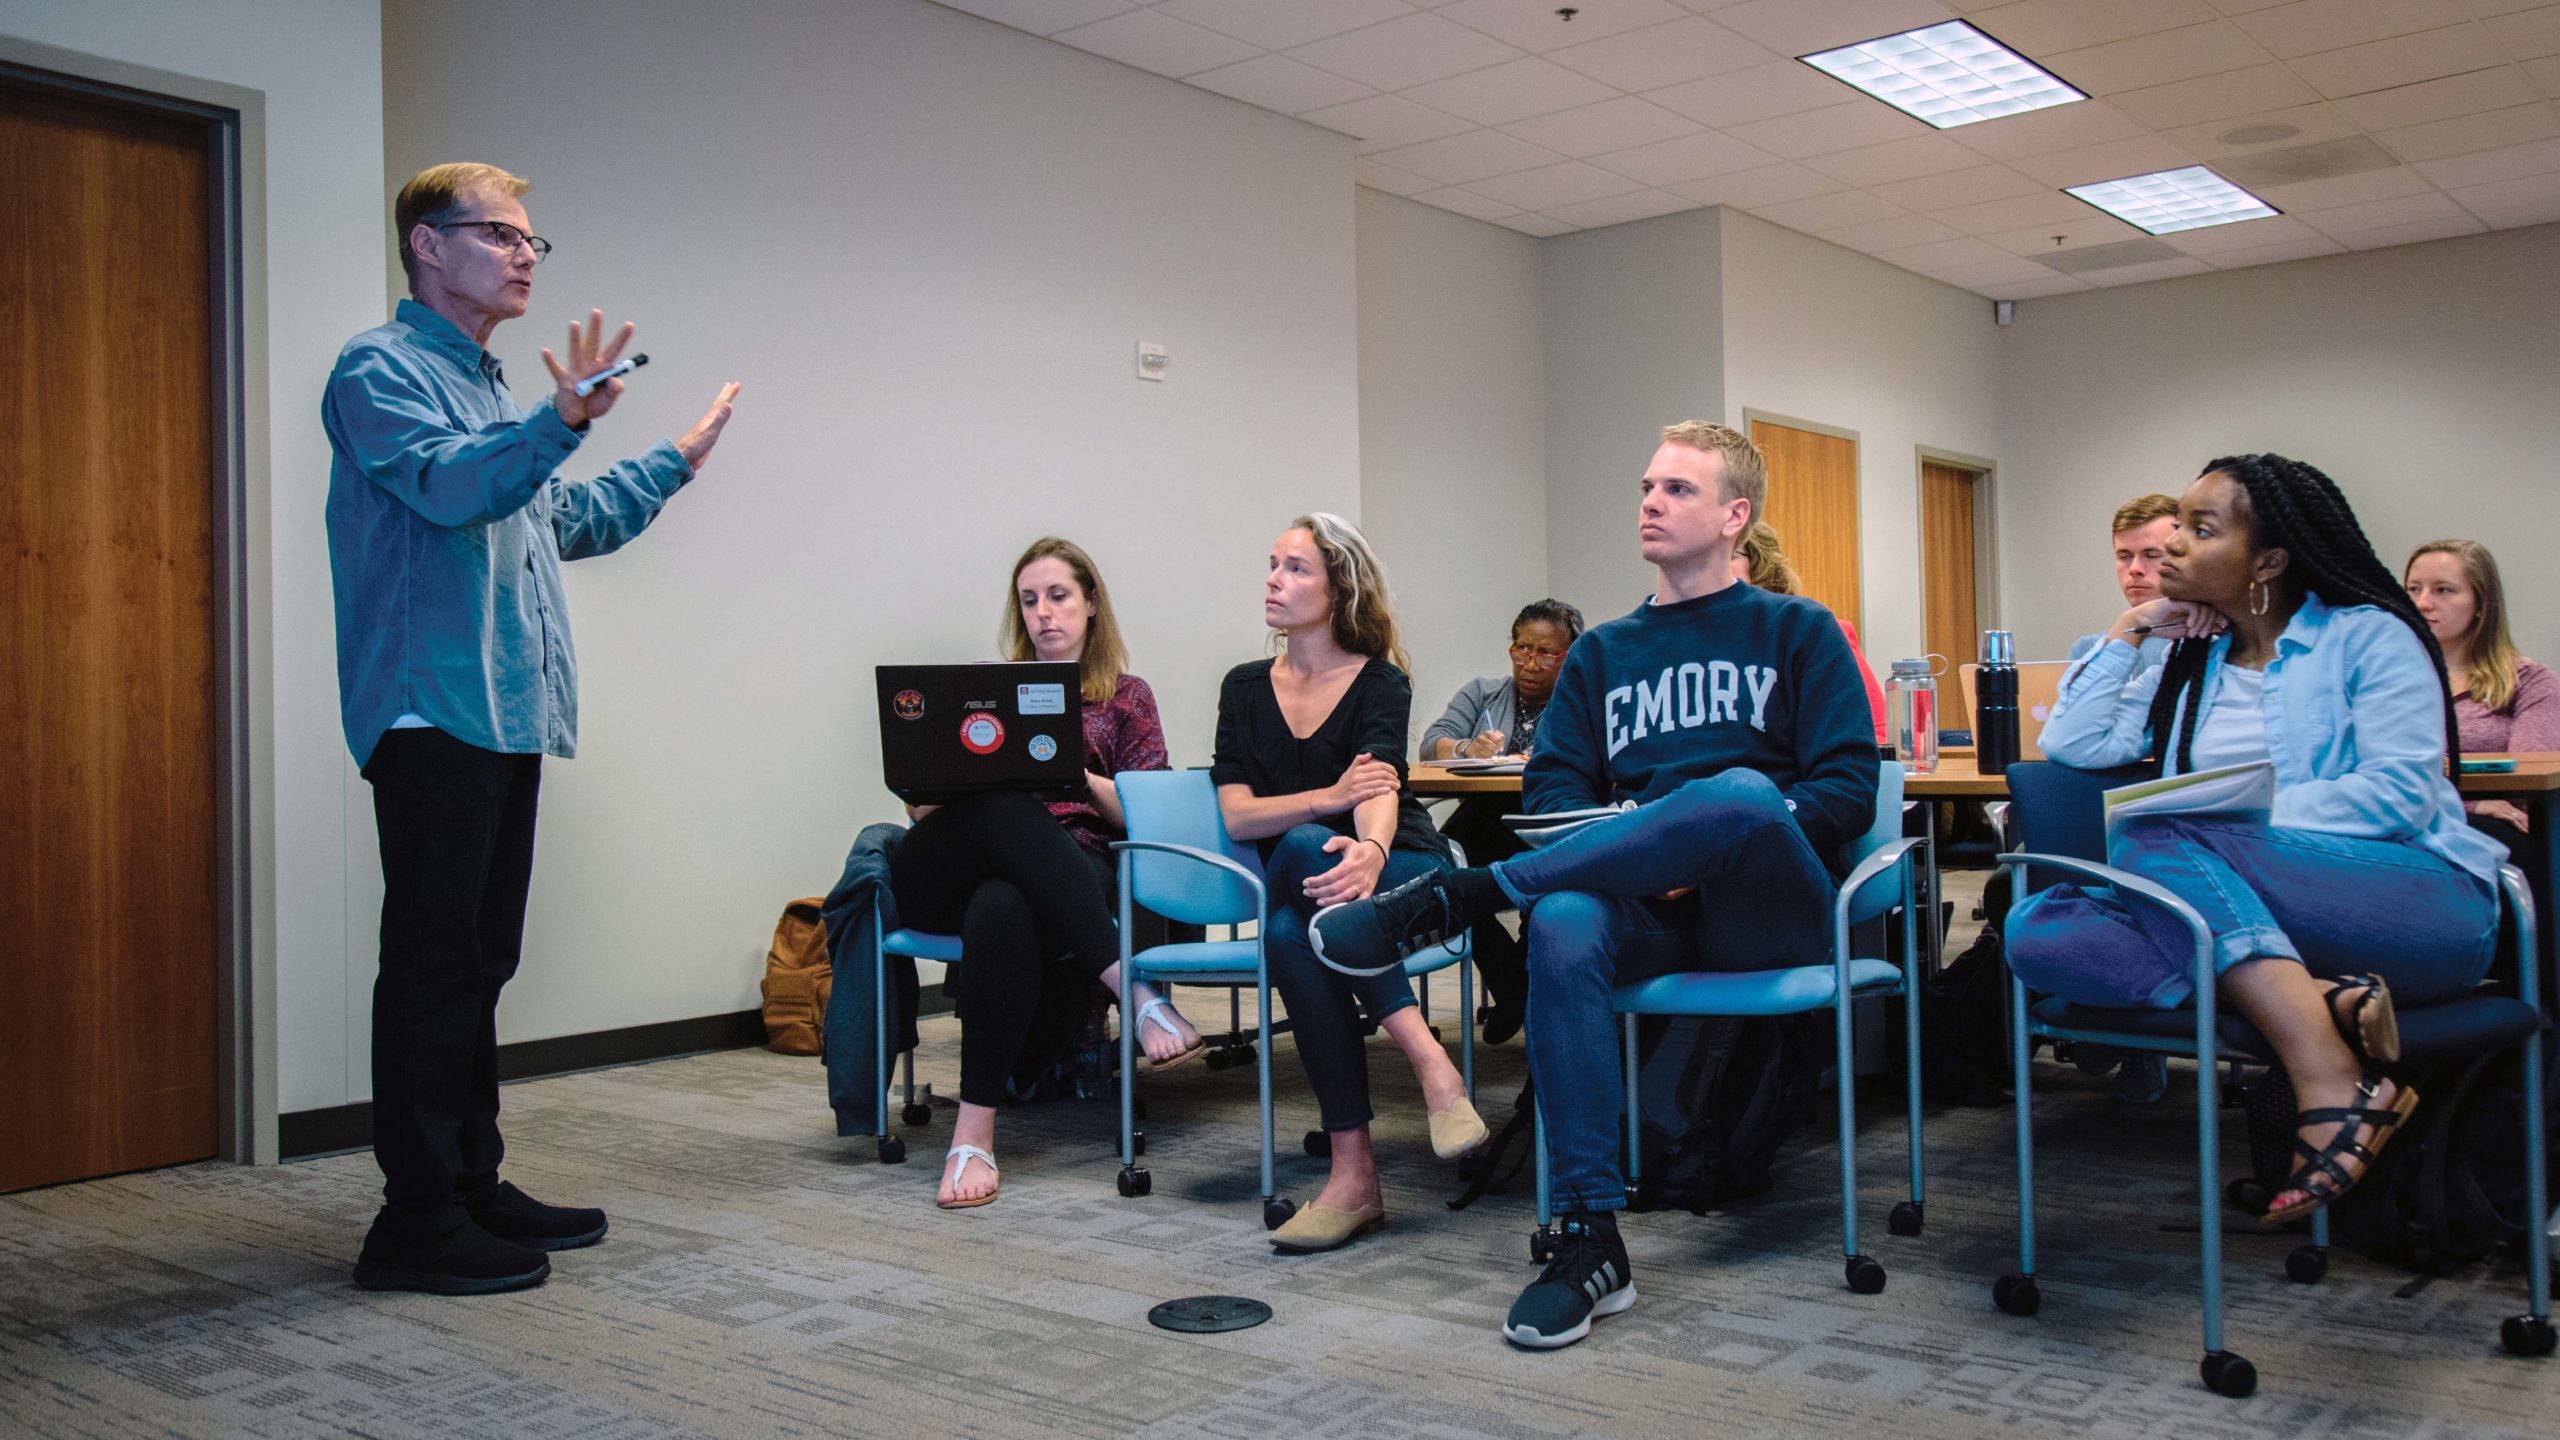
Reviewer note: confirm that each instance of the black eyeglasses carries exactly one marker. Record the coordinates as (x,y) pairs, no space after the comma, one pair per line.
(507,236)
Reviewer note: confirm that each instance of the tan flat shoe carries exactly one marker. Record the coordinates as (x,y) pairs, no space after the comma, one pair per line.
(1457,1130)
(1321,1227)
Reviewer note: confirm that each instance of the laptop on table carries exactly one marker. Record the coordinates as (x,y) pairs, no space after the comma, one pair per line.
(950,731)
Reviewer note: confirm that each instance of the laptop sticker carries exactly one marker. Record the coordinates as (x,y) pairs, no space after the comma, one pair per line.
(1043,748)
(983,733)
(909,704)
(1040,700)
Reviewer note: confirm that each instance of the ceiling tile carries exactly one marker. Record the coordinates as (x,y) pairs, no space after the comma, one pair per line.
(1691,157)
(2346,220)
(2143,274)
(1043,17)
(1766,185)
(1466,202)
(1610,125)
(1659,55)
(2029,289)
(1959,187)
(2006,267)
(2276,254)
(1415,50)
(2309,26)
(2545,73)
(1895,232)
(1825,212)
(1388,178)
(1383,122)
(2246,235)
(1538,225)
(2540,157)
(2214,97)
(2356,189)
(1962,253)
(2310,125)
(2041,28)
(1548,186)
(2487,8)
(2243,7)
(1992,217)
(2493,130)
(1756,93)
(2454,95)
(2529,34)
(1620,209)
(1534,27)
(2147,61)
(1471,156)
(2382,64)
(1820,132)
(2112,161)
(1156,42)
(2418,232)
(1513,90)
(1276,82)
(1277,27)
(2041,132)
(1791,27)
(1911,159)
(2091,227)
(2527,200)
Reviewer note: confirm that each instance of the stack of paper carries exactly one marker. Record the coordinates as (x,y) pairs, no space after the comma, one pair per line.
(2241,792)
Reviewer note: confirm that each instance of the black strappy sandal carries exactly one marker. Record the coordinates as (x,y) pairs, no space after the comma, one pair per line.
(2372,1027)
(2324,1180)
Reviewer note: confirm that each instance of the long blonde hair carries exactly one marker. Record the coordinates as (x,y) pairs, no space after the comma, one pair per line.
(1364,620)
(1105,658)
(1770,568)
(2492,664)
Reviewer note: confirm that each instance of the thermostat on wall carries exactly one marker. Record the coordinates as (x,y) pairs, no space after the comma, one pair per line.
(1151,360)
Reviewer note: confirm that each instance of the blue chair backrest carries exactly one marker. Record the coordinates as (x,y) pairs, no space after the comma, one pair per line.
(2056,810)
(1180,807)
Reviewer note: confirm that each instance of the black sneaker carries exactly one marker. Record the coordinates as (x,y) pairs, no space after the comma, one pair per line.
(510,1214)
(470,1261)
(1587,1278)
(1372,936)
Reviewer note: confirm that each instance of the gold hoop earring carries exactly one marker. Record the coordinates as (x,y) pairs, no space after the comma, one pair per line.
(2261,595)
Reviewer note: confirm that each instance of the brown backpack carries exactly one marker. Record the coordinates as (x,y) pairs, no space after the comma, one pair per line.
(797,978)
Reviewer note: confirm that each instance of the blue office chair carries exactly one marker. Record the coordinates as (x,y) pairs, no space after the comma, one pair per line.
(2060,832)
(917,945)
(1882,878)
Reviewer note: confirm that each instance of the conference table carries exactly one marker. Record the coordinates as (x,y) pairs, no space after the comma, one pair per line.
(2532,787)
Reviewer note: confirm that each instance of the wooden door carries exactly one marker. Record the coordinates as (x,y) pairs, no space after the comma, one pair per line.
(1813,505)
(107,773)
(1947,580)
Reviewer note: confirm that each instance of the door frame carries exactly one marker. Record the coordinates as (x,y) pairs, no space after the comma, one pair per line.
(244,649)
(1986,531)
(1752,415)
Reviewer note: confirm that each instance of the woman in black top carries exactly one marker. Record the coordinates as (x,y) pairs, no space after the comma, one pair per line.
(1310,767)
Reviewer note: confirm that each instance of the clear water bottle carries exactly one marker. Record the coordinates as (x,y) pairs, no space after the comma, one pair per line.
(1911,713)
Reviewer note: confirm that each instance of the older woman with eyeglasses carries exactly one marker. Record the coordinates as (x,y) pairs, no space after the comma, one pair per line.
(1498,715)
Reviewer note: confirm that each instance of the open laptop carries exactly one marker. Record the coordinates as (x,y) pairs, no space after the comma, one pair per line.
(948,731)
(2039,689)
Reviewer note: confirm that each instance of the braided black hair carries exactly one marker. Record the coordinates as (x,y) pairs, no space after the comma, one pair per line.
(2295,507)
(1555,612)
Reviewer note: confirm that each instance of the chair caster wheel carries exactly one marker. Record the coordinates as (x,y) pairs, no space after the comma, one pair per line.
(1276,1213)
(1640,1195)
(2017,1295)
(2305,1264)
(2234,1097)
(1135,1182)
(1866,1275)
(2227,1374)
(916,1113)
(1245,1056)
(1542,1246)
(1138,1143)
(1220,1059)
(893,1151)
(1318,1144)
(1906,1219)
(2527,1335)
(2247,1196)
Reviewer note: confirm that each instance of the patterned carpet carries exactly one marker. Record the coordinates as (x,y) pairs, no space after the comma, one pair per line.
(765,1278)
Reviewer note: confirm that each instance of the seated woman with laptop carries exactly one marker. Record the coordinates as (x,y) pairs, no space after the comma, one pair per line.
(2295,647)
(1027,885)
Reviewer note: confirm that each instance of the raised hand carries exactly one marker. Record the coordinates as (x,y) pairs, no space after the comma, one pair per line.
(588,353)
(697,442)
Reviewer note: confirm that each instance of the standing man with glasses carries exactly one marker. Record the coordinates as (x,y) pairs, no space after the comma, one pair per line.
(446,530)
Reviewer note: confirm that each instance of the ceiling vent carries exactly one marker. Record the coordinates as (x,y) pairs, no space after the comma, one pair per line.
(2110,257)
(2351,156)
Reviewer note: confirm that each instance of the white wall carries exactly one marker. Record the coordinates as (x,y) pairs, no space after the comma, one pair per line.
(1823,334)
(316,183)
(1453,475)
(927,245)
(2422,378)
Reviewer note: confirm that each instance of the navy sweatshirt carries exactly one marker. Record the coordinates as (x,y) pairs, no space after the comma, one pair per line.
(1678,692)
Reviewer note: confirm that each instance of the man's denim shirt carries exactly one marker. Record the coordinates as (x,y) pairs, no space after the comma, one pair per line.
(446,533)
(2355,725)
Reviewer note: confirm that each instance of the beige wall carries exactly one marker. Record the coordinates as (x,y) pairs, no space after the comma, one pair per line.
(2425,379)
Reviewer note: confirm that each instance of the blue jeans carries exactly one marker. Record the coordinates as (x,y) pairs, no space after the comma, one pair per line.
(2335,904)
(1761,901)
(1321,1000)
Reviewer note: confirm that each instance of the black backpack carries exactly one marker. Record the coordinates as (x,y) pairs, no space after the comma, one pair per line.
(1717,1096)
(1964,1016)
(1490,1168)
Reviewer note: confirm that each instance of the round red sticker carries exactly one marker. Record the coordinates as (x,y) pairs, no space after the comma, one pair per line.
(982,733)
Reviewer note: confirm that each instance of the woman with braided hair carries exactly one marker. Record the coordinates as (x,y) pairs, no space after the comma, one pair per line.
(2294,645)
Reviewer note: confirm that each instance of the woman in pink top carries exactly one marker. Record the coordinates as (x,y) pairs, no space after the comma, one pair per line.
(1759,561)
(2504,702)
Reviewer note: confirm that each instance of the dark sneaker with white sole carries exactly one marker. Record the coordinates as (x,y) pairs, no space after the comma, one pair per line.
(1586,1278)
(511,1214)
(1372,936)
(469,1261)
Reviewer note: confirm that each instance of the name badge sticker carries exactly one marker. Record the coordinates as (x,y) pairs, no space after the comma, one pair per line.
(1040,699)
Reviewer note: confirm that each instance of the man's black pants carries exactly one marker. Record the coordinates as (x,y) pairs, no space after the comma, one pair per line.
(456,829)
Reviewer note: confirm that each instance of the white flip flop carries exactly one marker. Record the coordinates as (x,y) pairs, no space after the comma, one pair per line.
(964,1154)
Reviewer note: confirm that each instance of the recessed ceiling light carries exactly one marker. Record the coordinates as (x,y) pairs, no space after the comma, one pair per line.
(1948,75)
(2167,201)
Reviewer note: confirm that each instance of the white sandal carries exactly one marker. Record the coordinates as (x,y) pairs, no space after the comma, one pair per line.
(1147,1016)
(964,1154)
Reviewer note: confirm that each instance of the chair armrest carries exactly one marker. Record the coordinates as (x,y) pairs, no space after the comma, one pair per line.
(2519,896)
(2017,861)
(1884,858)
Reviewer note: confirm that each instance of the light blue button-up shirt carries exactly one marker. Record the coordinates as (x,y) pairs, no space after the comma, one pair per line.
(2355,726)
(446,533)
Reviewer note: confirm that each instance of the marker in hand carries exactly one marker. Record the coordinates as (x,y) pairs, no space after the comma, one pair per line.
(588,386)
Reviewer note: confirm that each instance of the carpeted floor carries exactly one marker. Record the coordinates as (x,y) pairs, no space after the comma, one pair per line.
(766,1278)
